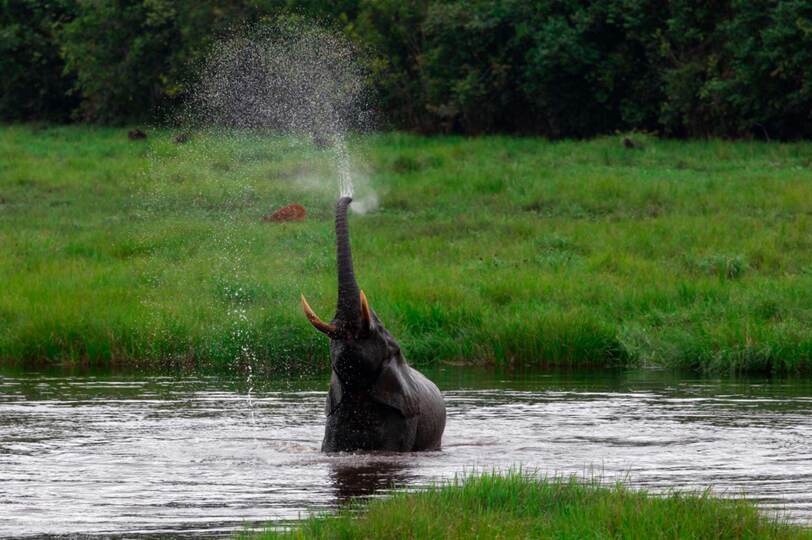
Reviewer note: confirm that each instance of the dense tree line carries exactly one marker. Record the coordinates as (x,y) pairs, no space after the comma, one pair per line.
(552,67)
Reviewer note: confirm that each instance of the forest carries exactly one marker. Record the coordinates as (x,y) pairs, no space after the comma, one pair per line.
(554,68)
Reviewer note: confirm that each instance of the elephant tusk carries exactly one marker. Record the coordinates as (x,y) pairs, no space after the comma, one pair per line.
(365,312)
(321,326)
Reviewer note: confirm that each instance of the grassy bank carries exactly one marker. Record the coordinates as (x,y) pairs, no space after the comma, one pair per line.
(514,506)
(503,250)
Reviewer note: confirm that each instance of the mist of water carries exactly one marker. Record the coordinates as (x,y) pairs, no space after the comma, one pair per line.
(288,78)
(275,104)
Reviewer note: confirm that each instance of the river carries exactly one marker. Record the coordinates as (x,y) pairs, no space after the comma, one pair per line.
(134,455)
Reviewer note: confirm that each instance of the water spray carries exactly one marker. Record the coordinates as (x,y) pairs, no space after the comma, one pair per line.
(290,78)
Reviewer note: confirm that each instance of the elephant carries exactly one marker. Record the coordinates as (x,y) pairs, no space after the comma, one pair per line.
(376,401)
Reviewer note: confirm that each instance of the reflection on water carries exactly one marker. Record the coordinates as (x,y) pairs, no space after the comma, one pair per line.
(354,478)
(158,455)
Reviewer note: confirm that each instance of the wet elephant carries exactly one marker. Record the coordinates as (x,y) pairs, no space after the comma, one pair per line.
(376,400)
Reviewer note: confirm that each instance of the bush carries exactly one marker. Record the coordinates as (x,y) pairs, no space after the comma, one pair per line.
(767,86)
(586,67)
(120,52)
(32,83)
(390,29)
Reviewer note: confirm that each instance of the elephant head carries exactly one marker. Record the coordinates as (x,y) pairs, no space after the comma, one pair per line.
(365,358)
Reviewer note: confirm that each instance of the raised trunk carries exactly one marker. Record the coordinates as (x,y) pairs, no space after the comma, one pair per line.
(348,310)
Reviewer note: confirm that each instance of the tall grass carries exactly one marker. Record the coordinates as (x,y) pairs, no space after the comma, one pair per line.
(517,506)
(497,250)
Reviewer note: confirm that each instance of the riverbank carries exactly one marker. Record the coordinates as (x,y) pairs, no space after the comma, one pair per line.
(516,506)
(494,250)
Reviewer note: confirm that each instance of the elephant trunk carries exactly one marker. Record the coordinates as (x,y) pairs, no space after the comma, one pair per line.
(348,310)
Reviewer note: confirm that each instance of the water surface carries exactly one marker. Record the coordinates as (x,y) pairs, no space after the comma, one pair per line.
(135,455)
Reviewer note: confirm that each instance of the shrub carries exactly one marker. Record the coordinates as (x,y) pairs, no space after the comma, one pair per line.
(32,83)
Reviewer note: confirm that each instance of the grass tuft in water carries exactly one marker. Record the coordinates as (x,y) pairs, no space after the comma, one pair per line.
(514,505)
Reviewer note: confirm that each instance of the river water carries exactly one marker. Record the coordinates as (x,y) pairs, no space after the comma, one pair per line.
(165,456)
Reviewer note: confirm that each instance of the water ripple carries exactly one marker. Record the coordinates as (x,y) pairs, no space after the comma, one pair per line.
(161,456)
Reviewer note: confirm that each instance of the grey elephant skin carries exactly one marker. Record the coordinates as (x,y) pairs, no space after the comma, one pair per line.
(376,402)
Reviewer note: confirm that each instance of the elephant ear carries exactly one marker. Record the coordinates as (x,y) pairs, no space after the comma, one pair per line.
(397,388)
(334,395)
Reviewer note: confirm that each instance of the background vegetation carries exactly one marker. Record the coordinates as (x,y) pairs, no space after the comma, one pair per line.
(494,249)
(517,506)
(559,68)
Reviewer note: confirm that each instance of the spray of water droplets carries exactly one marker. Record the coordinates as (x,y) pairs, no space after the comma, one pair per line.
(290,78)
(269,119)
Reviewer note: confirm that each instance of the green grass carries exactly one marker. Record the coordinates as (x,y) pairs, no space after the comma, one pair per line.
(491,250)
(516,506)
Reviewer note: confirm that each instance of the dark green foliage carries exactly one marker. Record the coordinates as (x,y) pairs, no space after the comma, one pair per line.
(132,57)
(586,69)
(559,68)
(119,51)
(32,84)
(768,83)
(473,65)
(389,28)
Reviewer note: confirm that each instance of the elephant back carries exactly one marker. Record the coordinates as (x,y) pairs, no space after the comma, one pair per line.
(431,422)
